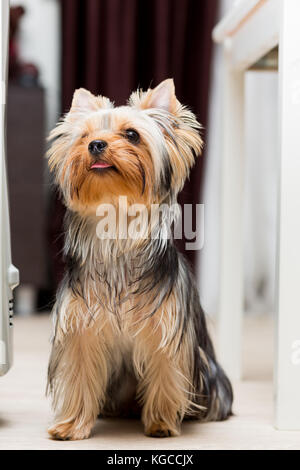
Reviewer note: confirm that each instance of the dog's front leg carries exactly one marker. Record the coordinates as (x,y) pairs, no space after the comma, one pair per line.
(162,386)
(78,378)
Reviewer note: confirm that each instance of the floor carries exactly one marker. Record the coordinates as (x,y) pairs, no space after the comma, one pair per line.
(25,411)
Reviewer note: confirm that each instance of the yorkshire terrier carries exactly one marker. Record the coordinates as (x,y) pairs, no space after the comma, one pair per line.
(130,335)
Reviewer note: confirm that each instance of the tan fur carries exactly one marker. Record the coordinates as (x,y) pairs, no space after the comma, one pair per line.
(90,344)
(80,384)
(104,328)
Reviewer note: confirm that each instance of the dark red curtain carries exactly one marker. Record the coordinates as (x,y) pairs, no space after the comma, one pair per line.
(111,47)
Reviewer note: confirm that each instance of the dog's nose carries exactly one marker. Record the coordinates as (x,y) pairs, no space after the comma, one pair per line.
(97,146)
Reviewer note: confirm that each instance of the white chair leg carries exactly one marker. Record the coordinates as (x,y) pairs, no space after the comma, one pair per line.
(231,255)
(287,379)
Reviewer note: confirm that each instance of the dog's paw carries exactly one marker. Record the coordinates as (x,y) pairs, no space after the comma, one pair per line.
(69,431)
(161,430)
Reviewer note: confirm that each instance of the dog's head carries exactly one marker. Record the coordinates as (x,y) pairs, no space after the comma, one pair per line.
(143,150)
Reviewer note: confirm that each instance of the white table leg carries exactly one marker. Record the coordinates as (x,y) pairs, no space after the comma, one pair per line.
(287,380)
(232,177)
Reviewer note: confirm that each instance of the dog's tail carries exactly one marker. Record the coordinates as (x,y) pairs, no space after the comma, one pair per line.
(214,390)
(217,392)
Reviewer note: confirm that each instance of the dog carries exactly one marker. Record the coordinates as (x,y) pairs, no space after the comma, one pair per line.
(130,335)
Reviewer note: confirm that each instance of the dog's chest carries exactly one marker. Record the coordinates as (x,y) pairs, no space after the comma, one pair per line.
(117,291)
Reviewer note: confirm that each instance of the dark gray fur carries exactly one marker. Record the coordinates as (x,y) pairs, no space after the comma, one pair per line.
(154,272)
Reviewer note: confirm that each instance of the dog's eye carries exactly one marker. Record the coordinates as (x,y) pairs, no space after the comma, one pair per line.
(133,136)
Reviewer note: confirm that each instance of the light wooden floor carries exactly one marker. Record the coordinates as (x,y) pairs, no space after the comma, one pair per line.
(25,411)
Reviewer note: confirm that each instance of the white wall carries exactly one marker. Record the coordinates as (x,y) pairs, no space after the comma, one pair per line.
(40,44)
(260,189)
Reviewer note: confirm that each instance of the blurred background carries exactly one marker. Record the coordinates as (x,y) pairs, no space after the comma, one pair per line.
(111,47)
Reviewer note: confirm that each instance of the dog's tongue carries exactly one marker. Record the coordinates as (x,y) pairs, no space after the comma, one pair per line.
(100,165)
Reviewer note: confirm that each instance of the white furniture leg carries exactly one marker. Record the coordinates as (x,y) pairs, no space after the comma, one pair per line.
(287,379)
(232,177)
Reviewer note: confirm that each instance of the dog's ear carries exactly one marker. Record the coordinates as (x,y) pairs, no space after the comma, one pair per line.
(83,101)
(161,97)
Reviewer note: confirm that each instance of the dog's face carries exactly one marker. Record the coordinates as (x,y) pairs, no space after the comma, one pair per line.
(143,150)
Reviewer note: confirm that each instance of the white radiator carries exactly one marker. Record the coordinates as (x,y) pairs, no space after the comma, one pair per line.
(9,275)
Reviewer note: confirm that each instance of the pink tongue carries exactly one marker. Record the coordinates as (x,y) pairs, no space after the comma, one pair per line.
(100,165)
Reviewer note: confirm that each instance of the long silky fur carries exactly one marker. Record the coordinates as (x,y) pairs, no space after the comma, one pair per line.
(135,301)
